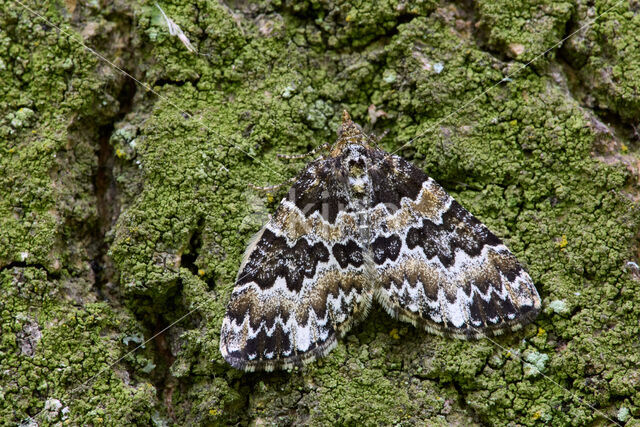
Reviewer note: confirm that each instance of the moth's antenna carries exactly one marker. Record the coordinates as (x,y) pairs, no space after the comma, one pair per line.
(377,138)
(374,114)
(270,188)
(324,146)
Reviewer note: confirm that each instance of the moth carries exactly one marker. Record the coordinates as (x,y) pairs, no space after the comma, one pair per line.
(361,224)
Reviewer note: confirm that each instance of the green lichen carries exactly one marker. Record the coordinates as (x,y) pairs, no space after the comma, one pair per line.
(523,30)
(45,159)
(56,332)
(274,77)
(605,58)
(537,363)
(623,414)
(356,24)
(558,306)
(57,355)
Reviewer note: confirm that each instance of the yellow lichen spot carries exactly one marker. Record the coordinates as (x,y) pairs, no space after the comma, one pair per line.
(356,171)
(624,148)
(120,153)
(536,415)
(513,123)
(200,272)
(563,242)
(541,332)
(394,334)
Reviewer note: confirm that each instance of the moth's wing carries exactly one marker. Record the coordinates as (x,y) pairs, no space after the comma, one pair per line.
(439,267)
(302,282)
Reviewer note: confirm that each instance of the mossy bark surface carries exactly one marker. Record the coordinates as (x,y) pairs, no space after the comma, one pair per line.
(126,207)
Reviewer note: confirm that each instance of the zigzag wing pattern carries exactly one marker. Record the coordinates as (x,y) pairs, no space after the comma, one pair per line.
(302,282)
(438,266)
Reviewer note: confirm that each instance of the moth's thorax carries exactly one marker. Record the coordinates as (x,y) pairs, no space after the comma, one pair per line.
(353,152)
(355,161)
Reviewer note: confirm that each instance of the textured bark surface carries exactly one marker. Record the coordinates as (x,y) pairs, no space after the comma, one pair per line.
(125,211)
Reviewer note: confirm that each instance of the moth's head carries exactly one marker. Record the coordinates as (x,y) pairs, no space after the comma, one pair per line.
(349,133)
